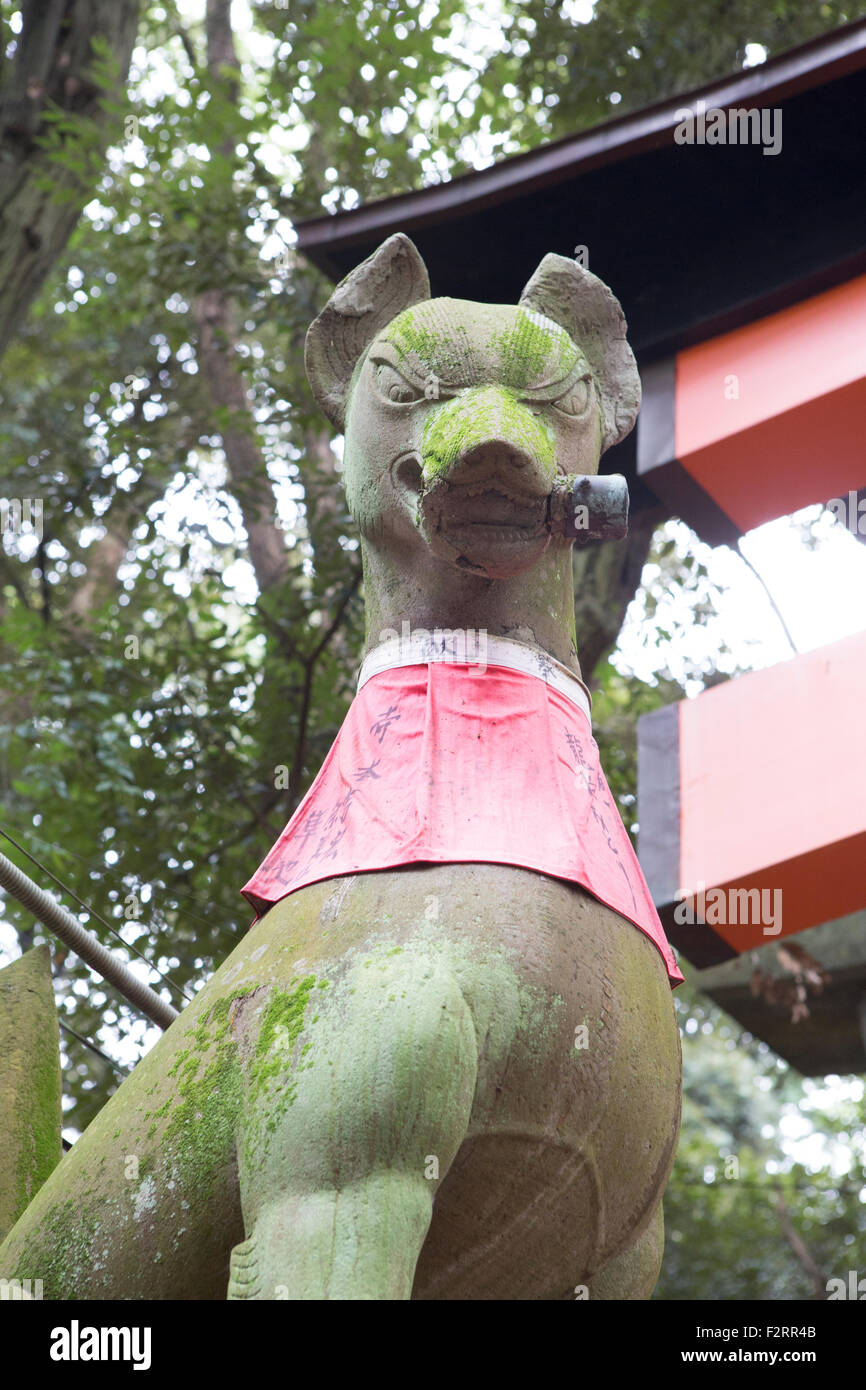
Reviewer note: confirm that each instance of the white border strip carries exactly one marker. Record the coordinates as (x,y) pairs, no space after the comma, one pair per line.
(421,648)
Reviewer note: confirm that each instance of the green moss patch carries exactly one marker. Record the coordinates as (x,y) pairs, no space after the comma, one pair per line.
(529,351)
(203,1109)
(474,418)
(282,1024)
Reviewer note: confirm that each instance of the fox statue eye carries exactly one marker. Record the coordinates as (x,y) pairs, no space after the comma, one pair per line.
(394,387)
(576,398)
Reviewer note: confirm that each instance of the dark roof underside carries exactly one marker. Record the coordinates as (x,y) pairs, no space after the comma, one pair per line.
(692,239)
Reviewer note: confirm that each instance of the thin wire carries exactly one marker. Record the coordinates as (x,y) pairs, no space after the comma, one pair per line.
(60,922)
(166,979)
(118,1066)
(100,869)
(773,1181)
(762,581)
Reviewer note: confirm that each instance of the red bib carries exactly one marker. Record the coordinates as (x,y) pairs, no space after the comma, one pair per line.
(451,763)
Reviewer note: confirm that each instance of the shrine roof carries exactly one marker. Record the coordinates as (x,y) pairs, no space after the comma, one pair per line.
(693,239)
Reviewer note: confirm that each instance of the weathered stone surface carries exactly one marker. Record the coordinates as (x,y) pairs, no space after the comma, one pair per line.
(443,1081)
(363,1028)
(29,1082)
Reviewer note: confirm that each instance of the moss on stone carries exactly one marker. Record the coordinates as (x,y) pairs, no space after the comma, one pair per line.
(478,416)
(408,335)
(281,1027)
(60,1250)
(30,1087)
(203,1109)
(528,348)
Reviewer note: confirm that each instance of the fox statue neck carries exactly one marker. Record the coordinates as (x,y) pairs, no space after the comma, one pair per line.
(407,585)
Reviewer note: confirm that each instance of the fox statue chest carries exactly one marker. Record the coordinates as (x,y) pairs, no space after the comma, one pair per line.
(574,1106)
(566,1113)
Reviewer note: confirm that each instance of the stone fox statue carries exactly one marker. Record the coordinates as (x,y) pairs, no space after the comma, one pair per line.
(444,1064)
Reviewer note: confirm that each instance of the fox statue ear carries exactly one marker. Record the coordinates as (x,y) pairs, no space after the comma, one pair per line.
(583,305)
(375,292)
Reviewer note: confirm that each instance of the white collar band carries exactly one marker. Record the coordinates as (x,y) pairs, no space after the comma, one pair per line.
(471,647)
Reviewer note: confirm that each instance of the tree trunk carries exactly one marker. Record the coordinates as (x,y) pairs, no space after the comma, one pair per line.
(42,191)
(606,579)
(215,315)
(798,1245)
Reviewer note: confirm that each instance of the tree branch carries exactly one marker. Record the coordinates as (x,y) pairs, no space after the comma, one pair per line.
(297,769)
(773,604)
(214,313)
(606,579)
(798,1246)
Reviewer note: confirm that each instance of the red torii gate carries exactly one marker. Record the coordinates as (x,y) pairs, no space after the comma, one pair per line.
(743,279)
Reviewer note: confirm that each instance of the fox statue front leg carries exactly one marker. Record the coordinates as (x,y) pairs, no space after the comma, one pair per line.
(335,1154)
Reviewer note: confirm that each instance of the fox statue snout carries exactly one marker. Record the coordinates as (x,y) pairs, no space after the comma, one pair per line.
(467,426)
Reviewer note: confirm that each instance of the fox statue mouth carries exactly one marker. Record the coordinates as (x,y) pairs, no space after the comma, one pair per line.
(491,508)
(498,522)
(487,527)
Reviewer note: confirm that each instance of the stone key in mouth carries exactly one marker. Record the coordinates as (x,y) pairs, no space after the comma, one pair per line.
(585,507)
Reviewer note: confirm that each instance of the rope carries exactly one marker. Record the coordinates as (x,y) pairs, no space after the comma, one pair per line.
(91,911)
(91,951)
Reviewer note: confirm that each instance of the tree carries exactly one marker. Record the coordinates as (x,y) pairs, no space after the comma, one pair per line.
(564,76)
(58,73)
(744,1219)
(197,666)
